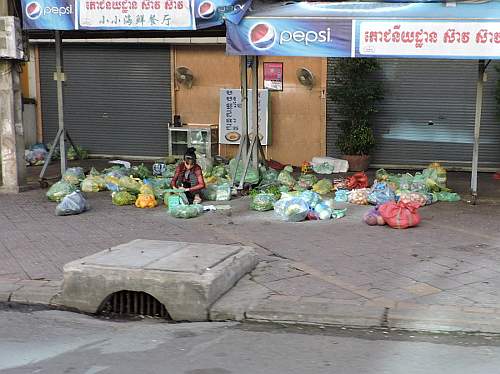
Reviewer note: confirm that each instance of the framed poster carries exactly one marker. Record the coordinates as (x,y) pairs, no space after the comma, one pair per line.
(273,76)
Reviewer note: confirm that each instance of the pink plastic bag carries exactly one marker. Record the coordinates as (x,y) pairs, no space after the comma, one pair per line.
(400,215)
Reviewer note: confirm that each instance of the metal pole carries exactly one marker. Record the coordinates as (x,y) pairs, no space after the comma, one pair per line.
(60,103)
(477,128)
(255,107)
(243,147)
(244,103)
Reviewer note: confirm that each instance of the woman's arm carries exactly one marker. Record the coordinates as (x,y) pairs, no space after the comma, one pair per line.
(173,183)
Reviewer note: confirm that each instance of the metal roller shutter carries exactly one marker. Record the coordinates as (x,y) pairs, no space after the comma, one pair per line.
(419,91)
(117,97)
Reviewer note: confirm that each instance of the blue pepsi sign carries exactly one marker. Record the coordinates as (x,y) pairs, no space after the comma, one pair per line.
(290,37)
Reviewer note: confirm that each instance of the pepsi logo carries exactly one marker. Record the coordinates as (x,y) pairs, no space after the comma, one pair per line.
(262,36)
(33,10)
(206,10)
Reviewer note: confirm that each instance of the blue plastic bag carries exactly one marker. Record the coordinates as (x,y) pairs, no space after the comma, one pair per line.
(381,194)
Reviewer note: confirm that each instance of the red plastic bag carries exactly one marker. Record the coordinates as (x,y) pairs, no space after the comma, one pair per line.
(357,181)
(400,215)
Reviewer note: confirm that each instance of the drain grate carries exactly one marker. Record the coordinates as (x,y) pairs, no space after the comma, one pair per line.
(133,303)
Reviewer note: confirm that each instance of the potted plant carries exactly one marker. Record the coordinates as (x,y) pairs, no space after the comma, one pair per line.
(355,96)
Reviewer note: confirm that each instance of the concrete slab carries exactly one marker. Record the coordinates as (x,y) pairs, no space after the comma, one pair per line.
(186,277)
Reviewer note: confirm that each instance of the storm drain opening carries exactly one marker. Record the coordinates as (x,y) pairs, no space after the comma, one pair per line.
(133,303)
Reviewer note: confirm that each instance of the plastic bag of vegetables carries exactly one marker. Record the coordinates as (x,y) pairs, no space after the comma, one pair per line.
(93,184)
(292,210)
(381,175)
(217,192)
(146,189)
(186,211)
(380,194)
(323,210)
(169,171)
(74,203)
(145,201)
(311,198)
(74,176)
(324,168)
(60,189)
(251,177)
(285,177)
(269,176)
(141,171)
(359,197)
(263,202)
(121,198)
(447,196)
(417,198)
(129,184)
(323,186)
(306,181)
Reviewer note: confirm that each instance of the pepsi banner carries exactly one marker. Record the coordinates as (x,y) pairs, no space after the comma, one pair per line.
(365,38)
(130,14)
(279,37)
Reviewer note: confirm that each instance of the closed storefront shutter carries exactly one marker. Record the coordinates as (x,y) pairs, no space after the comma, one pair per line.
(428,114)
(117,98)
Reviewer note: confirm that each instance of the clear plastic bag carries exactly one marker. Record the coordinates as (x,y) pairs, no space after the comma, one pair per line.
(380,194)
(324,168)
(342,196)
(323,211)
(129,184)
(263,202)
(186,211)
(292,210)
(311,198)
(217,192)
(306,181)
(74,176)
(93,184)
(74,203)
(59,190)
(323,186)
(251,177)
(285,177)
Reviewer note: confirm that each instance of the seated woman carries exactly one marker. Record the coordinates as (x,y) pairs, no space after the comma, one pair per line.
(188,177)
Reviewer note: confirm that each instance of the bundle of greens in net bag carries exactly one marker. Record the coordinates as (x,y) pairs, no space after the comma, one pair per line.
(251,177)
(123,198)
(186,211)
(59,190)
(285,177)
(263,202)
(74,176)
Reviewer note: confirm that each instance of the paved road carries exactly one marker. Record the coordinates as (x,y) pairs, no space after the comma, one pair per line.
(55,342)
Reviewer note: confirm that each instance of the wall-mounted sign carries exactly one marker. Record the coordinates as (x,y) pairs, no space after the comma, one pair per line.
(230,116)
(273,76)
(130,14)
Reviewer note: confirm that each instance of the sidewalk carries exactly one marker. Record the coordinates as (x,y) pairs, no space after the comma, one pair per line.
(445,274)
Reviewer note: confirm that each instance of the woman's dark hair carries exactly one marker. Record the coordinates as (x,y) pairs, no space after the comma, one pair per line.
(190,154)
